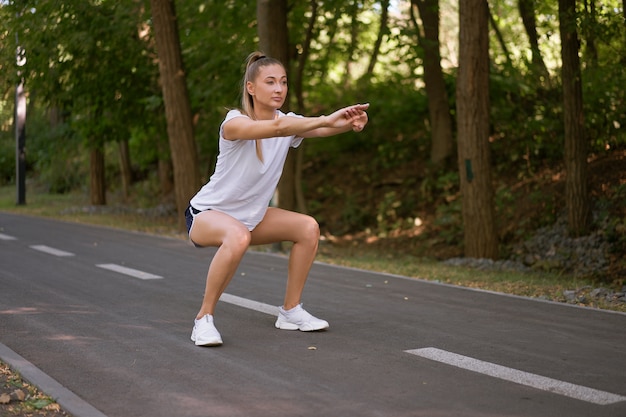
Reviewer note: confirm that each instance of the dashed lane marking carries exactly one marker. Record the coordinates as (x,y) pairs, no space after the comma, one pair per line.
(520,377)
(51,251)
(6,237)
(250,304)
(135,273)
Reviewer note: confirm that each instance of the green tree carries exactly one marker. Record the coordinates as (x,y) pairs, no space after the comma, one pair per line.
(85,62)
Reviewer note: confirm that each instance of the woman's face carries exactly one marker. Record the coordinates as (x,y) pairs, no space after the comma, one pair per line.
(269,89)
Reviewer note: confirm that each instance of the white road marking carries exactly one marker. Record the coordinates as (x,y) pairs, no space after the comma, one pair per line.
(520,377)
(6,237)
(135,273)
(250,304)
(51,251)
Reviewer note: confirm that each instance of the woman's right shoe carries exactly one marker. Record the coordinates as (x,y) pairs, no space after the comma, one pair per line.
(204,332)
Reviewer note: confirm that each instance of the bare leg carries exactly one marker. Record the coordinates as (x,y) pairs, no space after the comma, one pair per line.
(212,228)
(281,225)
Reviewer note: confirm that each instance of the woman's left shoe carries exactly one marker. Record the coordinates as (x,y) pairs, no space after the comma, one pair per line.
(299,319)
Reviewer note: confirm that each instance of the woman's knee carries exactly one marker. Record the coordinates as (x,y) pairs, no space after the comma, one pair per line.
(311,230)
(237,239)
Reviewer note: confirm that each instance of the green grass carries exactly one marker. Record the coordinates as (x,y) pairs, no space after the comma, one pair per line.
(549,286)
(75,207)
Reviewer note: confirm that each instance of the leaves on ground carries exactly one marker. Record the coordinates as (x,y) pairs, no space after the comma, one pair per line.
(21,399)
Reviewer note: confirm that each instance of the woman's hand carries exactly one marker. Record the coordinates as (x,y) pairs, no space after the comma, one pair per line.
(353,116)
(343,120)
(358,124)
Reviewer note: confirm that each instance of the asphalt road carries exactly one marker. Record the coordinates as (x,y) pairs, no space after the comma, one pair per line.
(108,314)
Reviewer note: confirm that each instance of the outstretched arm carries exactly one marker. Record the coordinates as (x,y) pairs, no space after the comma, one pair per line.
(342,120)
(356,123)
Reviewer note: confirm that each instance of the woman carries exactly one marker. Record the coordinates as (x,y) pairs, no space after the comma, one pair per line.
(231,211)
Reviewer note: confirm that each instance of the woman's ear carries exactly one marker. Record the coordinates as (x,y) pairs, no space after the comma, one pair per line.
(250,88)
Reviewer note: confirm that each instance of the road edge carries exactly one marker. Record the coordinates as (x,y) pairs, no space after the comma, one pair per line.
(70,402)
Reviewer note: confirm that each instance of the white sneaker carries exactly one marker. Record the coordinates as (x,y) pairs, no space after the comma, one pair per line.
(299,319)
(204,332)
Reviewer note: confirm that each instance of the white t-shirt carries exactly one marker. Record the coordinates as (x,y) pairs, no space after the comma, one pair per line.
(242,186)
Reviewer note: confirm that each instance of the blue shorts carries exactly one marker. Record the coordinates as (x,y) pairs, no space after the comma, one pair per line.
(189,215)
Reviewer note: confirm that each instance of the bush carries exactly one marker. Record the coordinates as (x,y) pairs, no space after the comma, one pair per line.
(55,156)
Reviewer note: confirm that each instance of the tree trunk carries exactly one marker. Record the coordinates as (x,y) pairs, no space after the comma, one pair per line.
(300,200)
(274,41)
(589,34)
(97,177)
(527,12)
(332,28)
(438,107)
(576,187)
(177,106)
(473,130)
(164,167)
(303,57)
(125,168)
(382,31)
(498,32)
(272,30)
(352,46)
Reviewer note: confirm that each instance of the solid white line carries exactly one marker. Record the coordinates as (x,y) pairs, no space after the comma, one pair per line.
(6,237)
(129,271)
(524,378)
(250,304)
(51,251)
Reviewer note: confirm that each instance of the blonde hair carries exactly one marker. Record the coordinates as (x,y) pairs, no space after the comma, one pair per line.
(254,63)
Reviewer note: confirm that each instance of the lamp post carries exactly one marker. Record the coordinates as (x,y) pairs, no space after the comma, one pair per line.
(20,130)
